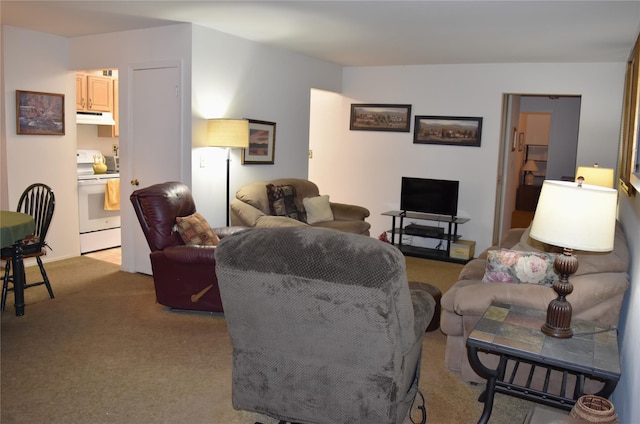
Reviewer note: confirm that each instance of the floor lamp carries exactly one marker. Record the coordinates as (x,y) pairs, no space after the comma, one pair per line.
(572,216)
(229,133)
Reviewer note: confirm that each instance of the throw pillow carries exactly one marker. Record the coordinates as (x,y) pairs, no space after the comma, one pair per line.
(282,201)
(195,230)
(318,209)
(513,266)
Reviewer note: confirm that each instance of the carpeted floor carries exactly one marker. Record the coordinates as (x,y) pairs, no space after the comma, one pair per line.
(103,351)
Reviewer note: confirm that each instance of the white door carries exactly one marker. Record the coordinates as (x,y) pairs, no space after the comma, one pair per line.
(156,139)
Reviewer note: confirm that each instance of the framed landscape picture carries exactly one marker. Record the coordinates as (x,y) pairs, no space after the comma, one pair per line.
(262,143)
(380,117)
(39,113)
(451,130)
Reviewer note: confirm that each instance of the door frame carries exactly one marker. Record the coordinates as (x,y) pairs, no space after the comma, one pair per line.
(506,160)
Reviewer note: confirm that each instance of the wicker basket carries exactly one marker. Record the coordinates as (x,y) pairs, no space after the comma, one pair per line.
(594,409)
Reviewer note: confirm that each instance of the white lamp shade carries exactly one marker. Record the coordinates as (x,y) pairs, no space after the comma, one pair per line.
(594,175)
(581,218)
(228,133)
(530,165)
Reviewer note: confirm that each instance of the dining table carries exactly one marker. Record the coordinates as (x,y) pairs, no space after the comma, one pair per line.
(14,227)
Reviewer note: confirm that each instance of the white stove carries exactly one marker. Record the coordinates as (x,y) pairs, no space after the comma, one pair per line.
(99,228)
(97,177)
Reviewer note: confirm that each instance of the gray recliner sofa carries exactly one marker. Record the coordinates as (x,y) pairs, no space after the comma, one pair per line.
(323,325)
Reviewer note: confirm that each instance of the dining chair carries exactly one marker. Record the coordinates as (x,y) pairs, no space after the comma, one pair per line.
(38,201)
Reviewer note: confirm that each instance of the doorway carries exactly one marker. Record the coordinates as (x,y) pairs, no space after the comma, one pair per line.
(554,148)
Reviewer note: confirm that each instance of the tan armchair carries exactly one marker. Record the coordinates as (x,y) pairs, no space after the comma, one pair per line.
(252,208)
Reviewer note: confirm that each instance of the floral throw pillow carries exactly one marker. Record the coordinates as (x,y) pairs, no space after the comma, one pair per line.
(513,266)
(195,230)
(282,201)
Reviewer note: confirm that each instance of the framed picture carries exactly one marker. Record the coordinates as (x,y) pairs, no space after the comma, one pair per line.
(521,142)
(379,117)
(262,143)
(39,113)
(451,130)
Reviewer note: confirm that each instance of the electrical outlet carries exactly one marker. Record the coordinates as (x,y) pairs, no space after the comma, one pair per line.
(203,162)
(114,147)
(310,154)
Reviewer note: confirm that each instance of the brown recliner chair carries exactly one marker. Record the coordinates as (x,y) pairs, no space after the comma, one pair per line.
(184,276)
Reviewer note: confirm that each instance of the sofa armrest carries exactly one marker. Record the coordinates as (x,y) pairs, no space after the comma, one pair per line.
(473,297)
(243,214)
(268,221)
(190,254)
(342,211)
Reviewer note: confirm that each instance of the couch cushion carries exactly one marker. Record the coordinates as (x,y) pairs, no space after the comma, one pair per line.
(512,266)
(318,209)
(282,201)
(195,230)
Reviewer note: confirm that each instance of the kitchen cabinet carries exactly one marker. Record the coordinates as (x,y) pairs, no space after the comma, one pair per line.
(81,91)
(94,93)
(112,130)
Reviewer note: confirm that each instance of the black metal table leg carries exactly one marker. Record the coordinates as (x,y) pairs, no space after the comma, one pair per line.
(491,376)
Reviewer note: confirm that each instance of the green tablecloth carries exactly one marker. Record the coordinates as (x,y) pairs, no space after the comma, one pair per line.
(15,226)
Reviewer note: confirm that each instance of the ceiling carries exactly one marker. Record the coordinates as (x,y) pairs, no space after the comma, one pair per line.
(370,33)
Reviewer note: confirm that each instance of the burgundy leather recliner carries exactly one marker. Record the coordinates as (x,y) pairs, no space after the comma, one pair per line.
(184,276)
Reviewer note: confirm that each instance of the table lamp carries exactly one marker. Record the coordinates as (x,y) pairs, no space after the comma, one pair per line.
(594,175)
(529,168)
(229,133)
(572,216)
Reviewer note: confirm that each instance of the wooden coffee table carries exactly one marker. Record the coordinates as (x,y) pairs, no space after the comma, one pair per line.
(513,334)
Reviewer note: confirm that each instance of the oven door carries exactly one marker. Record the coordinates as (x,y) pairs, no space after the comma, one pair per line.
(93,217)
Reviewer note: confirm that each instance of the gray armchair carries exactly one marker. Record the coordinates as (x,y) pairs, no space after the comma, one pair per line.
(323,325)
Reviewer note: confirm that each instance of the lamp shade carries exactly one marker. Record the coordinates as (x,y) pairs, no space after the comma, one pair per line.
(228,133)
(594,175)
(530,165)
(581,218)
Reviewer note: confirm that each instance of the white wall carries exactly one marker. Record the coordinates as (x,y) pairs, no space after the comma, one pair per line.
(367,166)
(236,78)
(627,393)
(35,61)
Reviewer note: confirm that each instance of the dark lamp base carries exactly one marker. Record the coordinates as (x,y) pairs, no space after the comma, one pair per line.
(559,333)
(559,311)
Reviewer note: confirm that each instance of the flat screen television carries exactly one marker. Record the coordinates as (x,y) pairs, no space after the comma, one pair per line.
(427,195)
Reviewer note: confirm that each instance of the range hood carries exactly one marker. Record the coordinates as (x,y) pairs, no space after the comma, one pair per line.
(95,118)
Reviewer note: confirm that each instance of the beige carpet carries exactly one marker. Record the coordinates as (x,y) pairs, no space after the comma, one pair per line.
(103,351)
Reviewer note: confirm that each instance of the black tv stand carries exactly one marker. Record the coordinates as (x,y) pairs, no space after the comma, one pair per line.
(447,236)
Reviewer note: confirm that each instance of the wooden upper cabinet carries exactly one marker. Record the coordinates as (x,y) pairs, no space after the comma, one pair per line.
(112,130)
(100,91)
(94,93)
(81,91)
